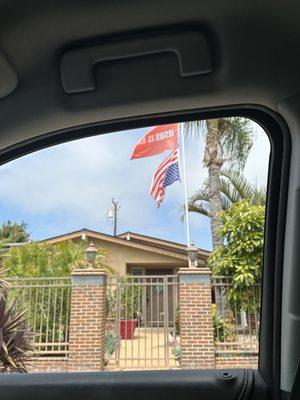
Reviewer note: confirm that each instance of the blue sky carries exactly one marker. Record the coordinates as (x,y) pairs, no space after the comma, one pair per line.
(70,186)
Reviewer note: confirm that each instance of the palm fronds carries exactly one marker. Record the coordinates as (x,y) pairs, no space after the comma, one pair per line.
(14,232)
(236,139)
(195,128)
(199,202)
(234,188)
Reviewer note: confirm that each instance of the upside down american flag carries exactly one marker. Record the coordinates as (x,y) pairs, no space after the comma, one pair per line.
(166,174)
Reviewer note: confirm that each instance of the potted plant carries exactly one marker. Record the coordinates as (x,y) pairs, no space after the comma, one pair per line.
(130,305)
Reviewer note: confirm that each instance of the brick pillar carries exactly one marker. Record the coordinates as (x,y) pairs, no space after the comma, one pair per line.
(87,320)
(196,327)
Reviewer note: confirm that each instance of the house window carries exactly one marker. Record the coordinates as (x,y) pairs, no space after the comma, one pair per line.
(137,271)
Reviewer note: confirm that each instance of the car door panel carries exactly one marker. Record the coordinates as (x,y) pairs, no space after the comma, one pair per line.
(237,384)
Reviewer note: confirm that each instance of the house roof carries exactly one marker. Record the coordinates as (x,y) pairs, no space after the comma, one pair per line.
(133,240)
(137,237)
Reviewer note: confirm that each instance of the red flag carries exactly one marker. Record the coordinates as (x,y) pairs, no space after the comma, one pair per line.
(158,140)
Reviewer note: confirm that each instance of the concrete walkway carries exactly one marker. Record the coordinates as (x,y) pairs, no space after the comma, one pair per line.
(151,348)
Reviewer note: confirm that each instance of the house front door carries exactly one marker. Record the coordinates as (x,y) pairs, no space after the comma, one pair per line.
(160,298)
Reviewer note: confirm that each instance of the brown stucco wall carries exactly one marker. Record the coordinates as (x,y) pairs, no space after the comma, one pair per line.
(118,256)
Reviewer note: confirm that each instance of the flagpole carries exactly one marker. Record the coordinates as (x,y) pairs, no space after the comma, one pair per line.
(186,207)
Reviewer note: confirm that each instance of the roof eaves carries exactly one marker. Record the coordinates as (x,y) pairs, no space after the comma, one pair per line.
(103,236)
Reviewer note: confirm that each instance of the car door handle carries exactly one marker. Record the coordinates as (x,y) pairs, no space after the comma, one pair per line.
(190,47)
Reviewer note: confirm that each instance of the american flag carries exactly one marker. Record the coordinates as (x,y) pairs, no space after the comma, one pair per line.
(166,174)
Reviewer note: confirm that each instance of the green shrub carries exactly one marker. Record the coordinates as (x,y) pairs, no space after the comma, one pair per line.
(223,328)
(241,256)
(177,352)
(111,343)
(44,260)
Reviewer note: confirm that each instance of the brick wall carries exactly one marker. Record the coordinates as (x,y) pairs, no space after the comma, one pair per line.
(87,320)
(196,328)
(48,364)
(236,361)
(60,364)
(88,323)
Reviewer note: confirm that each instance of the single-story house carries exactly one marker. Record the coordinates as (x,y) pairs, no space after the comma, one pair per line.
(136,254)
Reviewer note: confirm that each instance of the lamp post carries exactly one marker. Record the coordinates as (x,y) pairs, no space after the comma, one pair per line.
(90,254)
(192,253)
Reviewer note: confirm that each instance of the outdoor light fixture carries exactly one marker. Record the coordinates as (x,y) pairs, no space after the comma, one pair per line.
(192,252)
(90,254)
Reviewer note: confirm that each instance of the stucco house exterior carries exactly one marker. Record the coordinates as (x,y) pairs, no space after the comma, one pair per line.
(136,254)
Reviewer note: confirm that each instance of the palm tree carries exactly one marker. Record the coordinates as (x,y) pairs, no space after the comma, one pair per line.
(234,188)
(12,232)
(226,140)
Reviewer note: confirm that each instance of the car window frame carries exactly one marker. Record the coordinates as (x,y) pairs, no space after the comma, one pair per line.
(277,188)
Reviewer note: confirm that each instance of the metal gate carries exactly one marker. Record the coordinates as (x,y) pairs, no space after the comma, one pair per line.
(141,328)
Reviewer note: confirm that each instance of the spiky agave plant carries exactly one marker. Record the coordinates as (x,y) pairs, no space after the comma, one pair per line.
(3,284)
(15,338)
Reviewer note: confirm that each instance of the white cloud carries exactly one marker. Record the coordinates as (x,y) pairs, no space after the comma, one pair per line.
(71,186)
(256,169)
